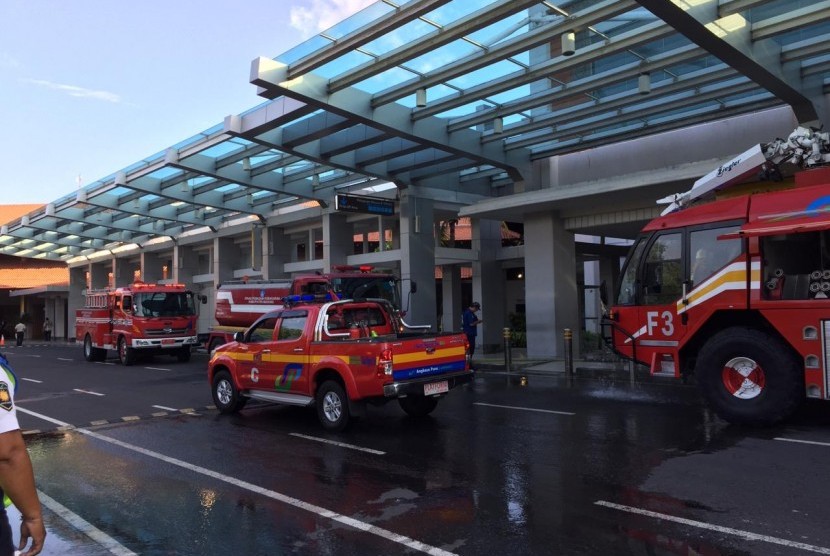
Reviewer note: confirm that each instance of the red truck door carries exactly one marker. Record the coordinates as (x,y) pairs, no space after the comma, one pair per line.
(251,362)
(289,359)
(662,288)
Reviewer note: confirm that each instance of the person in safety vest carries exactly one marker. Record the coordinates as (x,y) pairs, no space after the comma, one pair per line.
(17,479)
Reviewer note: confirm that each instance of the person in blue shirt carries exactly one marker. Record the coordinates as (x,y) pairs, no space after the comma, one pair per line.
(469,322)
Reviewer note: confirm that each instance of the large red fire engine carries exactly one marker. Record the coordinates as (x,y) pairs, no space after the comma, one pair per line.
(241,302)
(736,291)
(137,319)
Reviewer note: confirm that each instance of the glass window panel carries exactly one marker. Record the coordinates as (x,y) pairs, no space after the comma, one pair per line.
(662,271)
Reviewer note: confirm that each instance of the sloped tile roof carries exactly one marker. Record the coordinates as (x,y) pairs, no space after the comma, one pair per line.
(13,212)
(23,278)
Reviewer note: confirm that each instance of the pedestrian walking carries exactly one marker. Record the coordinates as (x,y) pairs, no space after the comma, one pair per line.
(47,330)
(17,478)
(469,322)
(19,332)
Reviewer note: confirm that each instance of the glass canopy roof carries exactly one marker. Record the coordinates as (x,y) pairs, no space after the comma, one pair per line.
(449,95)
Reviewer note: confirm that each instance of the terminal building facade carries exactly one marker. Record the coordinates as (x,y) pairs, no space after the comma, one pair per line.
(547,130)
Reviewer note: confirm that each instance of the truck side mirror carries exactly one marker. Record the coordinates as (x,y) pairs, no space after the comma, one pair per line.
(413,287)
(203,299)
(238,337)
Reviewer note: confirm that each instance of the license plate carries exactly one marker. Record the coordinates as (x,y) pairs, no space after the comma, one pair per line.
(436,388)
(168,341)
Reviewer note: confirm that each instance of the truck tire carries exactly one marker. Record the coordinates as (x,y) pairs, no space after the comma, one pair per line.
(183,355)
(92,353)
(750,377)
(226,396)
(332,406)
(418,406)
(215,343)
(126,354)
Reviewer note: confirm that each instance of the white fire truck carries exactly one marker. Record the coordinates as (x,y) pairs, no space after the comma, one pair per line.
(736,291)
(137,319)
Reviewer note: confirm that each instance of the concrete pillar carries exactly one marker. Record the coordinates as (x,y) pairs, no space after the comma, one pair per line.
(277,252)
(77,285)
(488,285)
(99,274)
(451,307)
(224,260)
(550,285)
(337,240)
(185,264)
(418,258)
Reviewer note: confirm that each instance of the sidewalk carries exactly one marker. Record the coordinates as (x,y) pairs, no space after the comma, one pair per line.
(583,368)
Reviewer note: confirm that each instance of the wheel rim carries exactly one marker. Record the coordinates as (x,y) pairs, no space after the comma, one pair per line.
(224,391)
(743,378)
(332,407)
(122,349)
(87,346)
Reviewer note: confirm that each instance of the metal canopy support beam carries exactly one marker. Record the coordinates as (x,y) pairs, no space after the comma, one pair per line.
(760,60)
(206,166)
(393,119)
(250,126)
(377,28)
(537,37)
(431,41)
(708,114)
(641,35)
(580,87)
(682,92)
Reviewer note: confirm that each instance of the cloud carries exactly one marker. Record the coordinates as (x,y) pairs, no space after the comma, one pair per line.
(322,14)
(75,91)
(8,61)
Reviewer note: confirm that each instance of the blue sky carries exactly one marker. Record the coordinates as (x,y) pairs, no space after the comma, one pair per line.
(88,87)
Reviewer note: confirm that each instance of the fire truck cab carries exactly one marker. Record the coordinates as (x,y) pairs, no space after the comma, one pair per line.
(137,319)
(735,292)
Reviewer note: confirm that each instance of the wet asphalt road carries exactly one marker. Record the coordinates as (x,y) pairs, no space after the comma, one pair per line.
(558,466)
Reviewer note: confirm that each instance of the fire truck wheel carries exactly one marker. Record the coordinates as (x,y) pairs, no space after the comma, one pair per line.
(332,406)
(750,377)
(92,353)
(215,343)
(418,406)
(126,354)
(226,397)
(183,354)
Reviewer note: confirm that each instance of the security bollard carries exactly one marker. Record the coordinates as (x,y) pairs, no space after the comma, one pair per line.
(569,353)
(508,356)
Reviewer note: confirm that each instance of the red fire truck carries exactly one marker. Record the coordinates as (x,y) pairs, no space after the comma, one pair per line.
(736,291)
(137,319)
(241,302)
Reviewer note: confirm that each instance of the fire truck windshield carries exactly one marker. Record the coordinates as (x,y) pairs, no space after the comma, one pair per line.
(164,304)
(367,286)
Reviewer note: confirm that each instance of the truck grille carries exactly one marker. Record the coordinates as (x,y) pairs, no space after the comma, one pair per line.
(167,332)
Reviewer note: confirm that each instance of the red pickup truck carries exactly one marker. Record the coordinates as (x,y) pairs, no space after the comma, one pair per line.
(338,357)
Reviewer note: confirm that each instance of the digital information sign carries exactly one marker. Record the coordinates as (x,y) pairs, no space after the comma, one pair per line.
(361,203)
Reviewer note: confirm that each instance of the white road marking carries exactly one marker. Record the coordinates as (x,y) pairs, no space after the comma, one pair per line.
(88,392)
(525,408)
(156,369)
(64,359)
(31,380)
(335,443)
(84,526)
(291,501)
(103,363)
(813,442)
(728,530)
(165,408)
